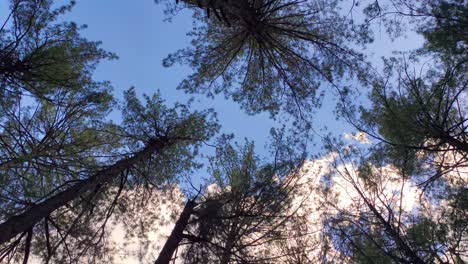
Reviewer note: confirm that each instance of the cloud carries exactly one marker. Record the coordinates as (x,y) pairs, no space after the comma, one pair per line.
(360,137)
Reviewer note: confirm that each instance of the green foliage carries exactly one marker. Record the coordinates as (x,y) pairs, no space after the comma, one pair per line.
(52,126)
(418,118)
(272,56)
(361,239)
(269,56)
(234,170)
(250,203)
(369,253)
(426,234)
(182,130)
(367,174)
(447,33)
(39,54)
(153,119)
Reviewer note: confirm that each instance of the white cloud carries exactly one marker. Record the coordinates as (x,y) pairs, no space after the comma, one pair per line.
(360,137)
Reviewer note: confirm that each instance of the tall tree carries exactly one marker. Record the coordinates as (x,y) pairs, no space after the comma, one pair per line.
(443,23)
(51,110)
(391,219)
(418,113)
(63,166)
(153,134)
(237,219)
(269,55)
(422,119)
(40,54)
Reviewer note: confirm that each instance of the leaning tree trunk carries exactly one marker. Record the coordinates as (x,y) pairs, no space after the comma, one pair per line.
(23,222)
(173,241)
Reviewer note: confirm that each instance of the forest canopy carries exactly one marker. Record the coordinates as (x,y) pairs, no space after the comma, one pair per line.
(78,185)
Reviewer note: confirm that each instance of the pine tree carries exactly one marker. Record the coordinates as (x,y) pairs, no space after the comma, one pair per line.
(239,218)
(63,165)
(269,55)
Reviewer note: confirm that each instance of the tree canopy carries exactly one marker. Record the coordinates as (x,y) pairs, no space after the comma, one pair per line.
(395,191)
(271,56)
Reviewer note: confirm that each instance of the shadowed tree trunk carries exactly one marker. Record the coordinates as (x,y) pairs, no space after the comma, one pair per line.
(241,11)
(236,8)
(230,243)
(173,241)
(460,145)
(21,223)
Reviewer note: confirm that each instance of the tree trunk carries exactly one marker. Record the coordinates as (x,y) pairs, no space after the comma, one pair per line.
(232,9)
(230,240)
(454,142)
(231,6)
(177,235)
(21,223)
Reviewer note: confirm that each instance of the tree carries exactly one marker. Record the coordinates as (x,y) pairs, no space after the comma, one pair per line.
(166,133)
(66,172)
(392,220)
(239,218)
(442,22)
(421,120)
(39,54)
(269,55)
(161,133)
(63,166)
(51,110)
(420,117)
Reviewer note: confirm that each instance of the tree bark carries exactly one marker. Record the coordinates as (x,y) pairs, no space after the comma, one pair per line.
(22,222)
(177,235)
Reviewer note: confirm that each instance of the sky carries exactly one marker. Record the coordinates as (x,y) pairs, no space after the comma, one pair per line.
(137,33)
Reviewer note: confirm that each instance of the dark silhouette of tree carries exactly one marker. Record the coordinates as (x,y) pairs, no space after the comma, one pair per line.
(240,218)
(177,234)
(51,110)
(66,172)
(442,22)
(420,120)
(269,55)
